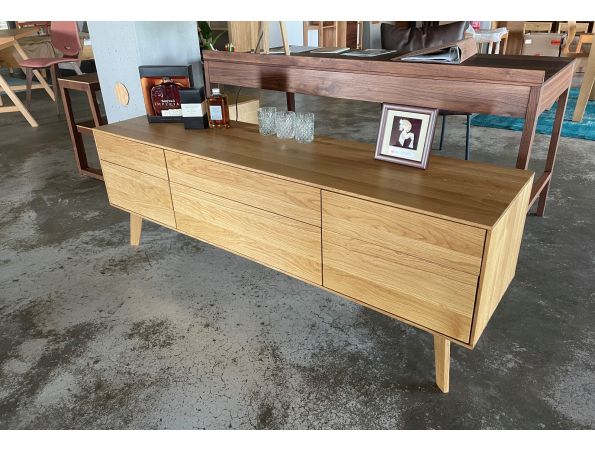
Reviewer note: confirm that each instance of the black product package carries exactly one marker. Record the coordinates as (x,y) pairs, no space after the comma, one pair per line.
(161,86)
(194,108)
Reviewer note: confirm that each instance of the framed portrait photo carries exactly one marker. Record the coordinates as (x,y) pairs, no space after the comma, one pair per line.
(405,135)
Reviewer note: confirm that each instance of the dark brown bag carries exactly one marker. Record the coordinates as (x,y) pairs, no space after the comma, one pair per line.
(411,39)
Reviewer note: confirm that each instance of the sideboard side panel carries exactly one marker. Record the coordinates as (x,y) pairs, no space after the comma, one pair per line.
(500,260)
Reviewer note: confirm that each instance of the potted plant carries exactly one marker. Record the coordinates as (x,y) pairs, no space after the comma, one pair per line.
(206,36)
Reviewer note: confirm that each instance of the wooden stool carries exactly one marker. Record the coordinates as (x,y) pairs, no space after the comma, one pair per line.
(88,83)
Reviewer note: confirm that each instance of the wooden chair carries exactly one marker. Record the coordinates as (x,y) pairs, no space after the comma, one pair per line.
(262,43)
(537,27)
(588,85)
(583,38)
(65,38)
(328,32)
(581,27)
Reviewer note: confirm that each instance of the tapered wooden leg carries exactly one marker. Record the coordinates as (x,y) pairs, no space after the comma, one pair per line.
(18,105)
(136,226)
(531,117)
(55,86)
(36,73)
(586,87)
(290,96)
(284,37)
(553,148)
(29,78)
(442,132)
(442,361)
(467,139)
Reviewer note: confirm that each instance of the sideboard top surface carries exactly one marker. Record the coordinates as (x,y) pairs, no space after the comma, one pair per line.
(458,190)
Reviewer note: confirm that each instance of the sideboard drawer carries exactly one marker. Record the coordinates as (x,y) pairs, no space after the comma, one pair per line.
(280,242)
(433,296)
(139,193)
(443,242)
(134,155)
(286,198)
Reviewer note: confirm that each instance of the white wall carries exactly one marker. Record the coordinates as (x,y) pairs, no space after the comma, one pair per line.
(295,33)
(120,47)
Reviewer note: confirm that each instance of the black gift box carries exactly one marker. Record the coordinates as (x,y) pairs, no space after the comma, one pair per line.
(194,108)
(153,75)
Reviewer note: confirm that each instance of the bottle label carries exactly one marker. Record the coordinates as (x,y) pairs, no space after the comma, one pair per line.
(216,112)
(171,113)
(193,109)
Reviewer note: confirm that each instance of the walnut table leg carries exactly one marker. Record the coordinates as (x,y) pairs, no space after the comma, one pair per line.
(136,226)
(442,361)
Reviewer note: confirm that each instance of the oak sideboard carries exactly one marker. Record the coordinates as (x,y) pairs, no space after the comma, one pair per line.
(434,248)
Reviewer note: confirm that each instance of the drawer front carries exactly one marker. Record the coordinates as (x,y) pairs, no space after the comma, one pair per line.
(282,197)
(137,192)
(448,244)
(433,296)
(285,244)
(134,155)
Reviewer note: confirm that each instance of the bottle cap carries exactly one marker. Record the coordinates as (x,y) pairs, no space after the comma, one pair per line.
(216,91)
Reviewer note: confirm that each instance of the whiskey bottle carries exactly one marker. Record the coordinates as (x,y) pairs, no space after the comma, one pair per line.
(165,98)
(218,110)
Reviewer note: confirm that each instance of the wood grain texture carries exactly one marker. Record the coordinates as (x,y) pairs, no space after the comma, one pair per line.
(551,154)
(442,363)
(143,194)
(461,191)
(243,34)
(531,117)
(408,262)
(136,227)
(586,89)
(555,86)
(453,95)
(276,241)
(246,109)
(441,242)
(500,261)
(133,155)
(282,197)
(400,284)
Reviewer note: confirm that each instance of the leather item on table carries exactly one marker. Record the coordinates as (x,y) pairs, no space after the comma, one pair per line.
(411,39)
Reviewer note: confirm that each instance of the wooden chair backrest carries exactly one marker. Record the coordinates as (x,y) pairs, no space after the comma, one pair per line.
(538,27)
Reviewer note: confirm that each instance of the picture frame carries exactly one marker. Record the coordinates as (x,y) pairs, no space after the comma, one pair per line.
(405,135)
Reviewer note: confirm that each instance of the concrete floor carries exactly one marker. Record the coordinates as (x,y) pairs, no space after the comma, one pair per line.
(179,334)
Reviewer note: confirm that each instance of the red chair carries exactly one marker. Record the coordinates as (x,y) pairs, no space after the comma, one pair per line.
(65,38)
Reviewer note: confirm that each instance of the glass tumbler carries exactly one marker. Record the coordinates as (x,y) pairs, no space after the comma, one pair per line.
(304,127)
(266,120)
(284,121)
